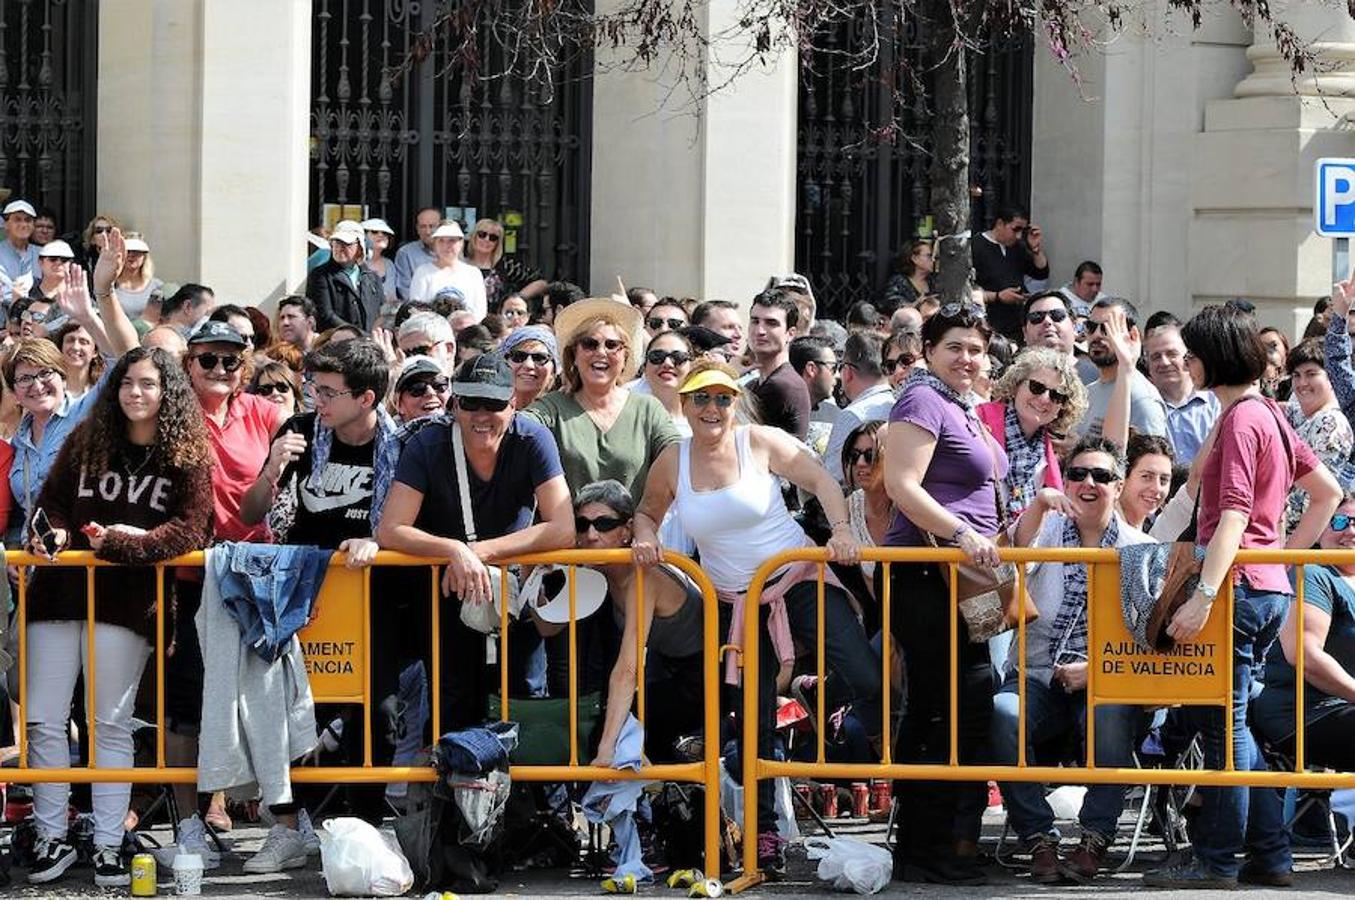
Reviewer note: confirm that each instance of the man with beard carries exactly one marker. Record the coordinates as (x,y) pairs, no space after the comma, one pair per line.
(1147,412)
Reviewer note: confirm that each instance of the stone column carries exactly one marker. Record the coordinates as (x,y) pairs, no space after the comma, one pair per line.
(1252,187)
(693,200)
(203,129)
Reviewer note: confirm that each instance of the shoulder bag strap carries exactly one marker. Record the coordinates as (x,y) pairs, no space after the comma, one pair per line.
(463,482)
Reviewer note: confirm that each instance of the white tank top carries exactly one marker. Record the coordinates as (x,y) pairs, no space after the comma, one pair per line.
(737,527)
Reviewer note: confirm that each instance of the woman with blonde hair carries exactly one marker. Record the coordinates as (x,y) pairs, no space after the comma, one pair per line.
(505,276)
(1035,402)
(136,281)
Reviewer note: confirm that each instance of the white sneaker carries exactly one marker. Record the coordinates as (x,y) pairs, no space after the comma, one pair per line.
(283,848)
(307,830)
(192,839)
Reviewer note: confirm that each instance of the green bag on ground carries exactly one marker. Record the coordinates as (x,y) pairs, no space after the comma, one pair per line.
(543,727)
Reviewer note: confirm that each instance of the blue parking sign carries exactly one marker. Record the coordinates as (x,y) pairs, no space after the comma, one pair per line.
(1334,203)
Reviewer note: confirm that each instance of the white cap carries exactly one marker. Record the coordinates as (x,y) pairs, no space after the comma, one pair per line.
(346,235)
(316,241)
(449,230)
(377,225)
(137,245)
(22,206)
(56,249)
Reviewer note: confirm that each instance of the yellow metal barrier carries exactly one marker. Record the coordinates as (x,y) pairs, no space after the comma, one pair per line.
(340,672)
(1198,673)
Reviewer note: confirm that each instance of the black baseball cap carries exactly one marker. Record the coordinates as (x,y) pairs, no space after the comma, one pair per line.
(217,333)
(487,375)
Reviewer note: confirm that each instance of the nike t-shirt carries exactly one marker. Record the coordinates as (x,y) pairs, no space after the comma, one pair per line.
(336,506)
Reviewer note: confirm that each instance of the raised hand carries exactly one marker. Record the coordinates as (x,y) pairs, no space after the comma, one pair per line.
(111,260)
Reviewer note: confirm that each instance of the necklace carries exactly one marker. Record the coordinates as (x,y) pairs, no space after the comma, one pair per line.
(136,470)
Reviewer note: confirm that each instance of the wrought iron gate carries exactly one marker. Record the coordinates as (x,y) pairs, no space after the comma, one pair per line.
(394,140)
(861,198)
(48,65)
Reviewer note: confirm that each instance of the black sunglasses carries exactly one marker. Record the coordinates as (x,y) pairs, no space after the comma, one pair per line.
(1091,326)
(421,350)
(1038,389)
(603,524)
(268,389)
(488,236)
(701,399)
(521,356)
(1078,474)
(657,357)
(229,362)
(854,456)
(421,387)
(905,361)
(591,344)
(481,404)
(1057,314)
(656,322)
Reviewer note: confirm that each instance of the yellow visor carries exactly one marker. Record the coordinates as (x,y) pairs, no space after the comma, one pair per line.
(707,379)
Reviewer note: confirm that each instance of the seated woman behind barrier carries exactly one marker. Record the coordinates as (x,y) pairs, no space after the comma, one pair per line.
(133,484)
(1328,660)
(723,484)
(1082,515)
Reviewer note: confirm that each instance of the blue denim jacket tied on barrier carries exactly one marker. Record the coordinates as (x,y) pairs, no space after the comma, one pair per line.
(268,589)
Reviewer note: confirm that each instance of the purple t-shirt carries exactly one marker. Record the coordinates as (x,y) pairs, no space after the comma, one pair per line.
(960,476)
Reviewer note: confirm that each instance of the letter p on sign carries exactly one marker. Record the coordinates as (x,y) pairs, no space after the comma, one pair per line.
(1334,204)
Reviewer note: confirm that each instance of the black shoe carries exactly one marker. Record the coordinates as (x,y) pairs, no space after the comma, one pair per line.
(1257,877)
(51,860)
(109,869)
(1191,876)
(942,872)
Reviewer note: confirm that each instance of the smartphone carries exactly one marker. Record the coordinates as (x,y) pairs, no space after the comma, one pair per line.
(44,531)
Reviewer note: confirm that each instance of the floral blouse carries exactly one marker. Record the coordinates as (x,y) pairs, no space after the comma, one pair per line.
(1328,432)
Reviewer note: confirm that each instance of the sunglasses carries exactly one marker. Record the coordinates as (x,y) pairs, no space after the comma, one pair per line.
(102,229)
(701,399)
(209,361)
(481,404)
(512,313)
(1341,521)
(657,357)
(38,317)
(591,344)
(488,236)
(903,361)
(855,456)
(951,310)
(521,356)
(421,350)
(831,365)
(1091,326)
(269,389)
(1058,314)
(419,388)
(655,323)
(603,524)
(1039,388)
(1077,474)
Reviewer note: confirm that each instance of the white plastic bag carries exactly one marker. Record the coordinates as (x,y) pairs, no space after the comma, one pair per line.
(851,865)
(359,861)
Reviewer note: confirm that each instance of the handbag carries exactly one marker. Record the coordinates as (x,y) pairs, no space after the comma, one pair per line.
(987,599)
(1184,564)
(483,617)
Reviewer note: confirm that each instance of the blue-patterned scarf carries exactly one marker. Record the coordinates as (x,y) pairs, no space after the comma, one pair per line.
(923,377)
(1024,458)
(1069,640)
(385,457)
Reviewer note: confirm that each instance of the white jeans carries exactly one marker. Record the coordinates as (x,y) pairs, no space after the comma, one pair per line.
(57,652)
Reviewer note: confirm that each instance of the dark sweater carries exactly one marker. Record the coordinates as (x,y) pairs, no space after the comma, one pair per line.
(175,509)
(997,268)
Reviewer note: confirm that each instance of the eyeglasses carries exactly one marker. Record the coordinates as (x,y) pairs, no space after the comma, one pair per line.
(487,236)
(102,229)
(831,365)
(327,395)
(1076,474)
(1039,388)
(951,310)
(657,357)
(1341,521)
(521,356)
(512,313)
(867,455)
(419,388)
(657,322)
(421,350)
(265,389)
(603,524)
(481,404)
(701,399)
(591,344)
(228,362)
(24,382)
(1057,314)
(904,361)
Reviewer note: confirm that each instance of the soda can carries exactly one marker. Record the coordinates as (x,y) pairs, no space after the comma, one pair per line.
(707,888)
(623,885)
(860,799)
(685,878)
(143,875)
(828,801)
(805,792)
(881,795)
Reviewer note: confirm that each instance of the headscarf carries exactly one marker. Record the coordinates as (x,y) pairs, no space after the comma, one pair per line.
(532,333)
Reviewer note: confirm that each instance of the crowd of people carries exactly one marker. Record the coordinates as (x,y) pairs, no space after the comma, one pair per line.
(450,402)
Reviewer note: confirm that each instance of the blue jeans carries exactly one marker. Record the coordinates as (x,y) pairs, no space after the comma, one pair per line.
(1236,818)
(268,589)
(1050,712)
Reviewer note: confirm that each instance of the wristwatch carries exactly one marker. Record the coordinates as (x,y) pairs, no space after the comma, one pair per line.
(1209,593)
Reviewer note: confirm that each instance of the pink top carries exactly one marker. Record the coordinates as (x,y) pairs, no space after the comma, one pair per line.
(1251,471)
(241,447)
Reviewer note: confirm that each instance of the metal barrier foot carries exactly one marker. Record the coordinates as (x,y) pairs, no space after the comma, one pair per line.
(743,882)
